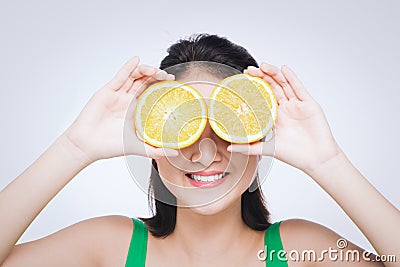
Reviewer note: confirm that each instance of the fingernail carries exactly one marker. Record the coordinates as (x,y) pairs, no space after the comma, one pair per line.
(160,75)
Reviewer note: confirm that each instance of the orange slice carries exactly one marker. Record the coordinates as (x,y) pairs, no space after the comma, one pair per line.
(242,109)
(170,114)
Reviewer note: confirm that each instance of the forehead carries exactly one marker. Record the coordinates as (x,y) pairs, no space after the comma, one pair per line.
(203,82)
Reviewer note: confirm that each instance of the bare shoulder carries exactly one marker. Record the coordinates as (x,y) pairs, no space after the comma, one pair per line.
(100,241)
(302,230)
(113,236)
(113,224)
(320,246)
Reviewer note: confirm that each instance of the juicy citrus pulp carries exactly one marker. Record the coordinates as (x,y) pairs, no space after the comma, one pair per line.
(170,114)
(242,109)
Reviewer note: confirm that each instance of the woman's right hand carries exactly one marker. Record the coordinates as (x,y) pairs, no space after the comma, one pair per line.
(97,133)
(98,130)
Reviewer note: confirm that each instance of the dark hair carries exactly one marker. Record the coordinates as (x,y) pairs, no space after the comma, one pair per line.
(203,47)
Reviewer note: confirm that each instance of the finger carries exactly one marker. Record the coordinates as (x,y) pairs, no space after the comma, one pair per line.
(255,71)
(277,75)
(136,146)
(257,148)
(127,85)
(145,81)
(280,95)
(295,83)
(143,70)
(140,85)
(163,75)
(156,152)
(171,77)
(166,152)
(123,74)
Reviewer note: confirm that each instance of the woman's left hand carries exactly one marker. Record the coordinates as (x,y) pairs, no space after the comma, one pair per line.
(302,137)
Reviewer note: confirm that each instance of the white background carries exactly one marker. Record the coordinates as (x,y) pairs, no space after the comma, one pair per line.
(54,55)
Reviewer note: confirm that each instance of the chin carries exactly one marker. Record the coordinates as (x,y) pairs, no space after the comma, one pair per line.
(221,205)
(211,209)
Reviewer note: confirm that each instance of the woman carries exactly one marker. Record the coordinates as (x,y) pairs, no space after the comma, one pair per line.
(227,232)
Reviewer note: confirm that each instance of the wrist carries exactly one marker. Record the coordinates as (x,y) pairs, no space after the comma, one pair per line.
(74,150)
(328,165)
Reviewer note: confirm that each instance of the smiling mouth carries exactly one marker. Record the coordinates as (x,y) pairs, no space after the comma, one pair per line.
(206,178)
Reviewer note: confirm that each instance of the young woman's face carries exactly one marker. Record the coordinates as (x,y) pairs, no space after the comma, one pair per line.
(207,159)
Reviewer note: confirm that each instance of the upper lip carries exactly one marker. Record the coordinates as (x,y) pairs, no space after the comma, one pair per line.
(206,173)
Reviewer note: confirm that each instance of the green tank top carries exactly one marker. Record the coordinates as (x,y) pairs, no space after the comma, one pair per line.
(138,246)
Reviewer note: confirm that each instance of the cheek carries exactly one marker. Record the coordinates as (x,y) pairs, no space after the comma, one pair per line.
(252,166)
(170,177)
(251,171)
(167,171)
(245,171)
(244,167)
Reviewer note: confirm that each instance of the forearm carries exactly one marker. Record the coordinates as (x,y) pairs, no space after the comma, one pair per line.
(24,198)
(375,216)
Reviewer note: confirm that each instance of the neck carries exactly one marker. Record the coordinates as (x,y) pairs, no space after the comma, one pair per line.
(209,235)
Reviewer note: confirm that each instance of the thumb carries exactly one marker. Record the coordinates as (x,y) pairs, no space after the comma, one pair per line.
(257,148)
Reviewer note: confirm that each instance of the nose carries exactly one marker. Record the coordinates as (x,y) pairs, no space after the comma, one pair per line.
(205,150)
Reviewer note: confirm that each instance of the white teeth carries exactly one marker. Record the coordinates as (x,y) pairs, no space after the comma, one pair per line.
(209,178)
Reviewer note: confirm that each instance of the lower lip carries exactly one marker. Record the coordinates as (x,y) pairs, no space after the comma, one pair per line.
(206,184)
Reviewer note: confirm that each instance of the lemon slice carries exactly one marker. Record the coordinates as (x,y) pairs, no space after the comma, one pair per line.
(242,109)
(170,114)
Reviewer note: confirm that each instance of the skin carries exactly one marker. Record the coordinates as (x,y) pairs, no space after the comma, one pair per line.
(209,152)
(212,235)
